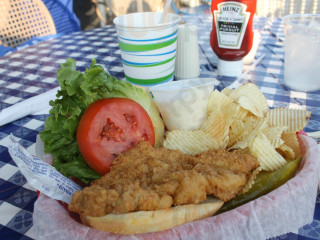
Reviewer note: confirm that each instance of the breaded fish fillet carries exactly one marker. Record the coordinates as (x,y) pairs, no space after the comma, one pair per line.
(147,178)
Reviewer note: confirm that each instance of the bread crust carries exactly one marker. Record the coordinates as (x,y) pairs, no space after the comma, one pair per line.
(153,221)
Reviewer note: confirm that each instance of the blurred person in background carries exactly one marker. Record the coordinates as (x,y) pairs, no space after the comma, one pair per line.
(96,13)
(86,11)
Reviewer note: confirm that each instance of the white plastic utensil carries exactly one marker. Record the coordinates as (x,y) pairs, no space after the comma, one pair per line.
(165,10)
(236,82)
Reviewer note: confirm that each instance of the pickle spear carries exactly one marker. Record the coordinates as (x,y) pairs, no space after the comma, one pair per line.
(265,182)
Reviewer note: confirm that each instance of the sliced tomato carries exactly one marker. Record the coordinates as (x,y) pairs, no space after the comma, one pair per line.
(111,126)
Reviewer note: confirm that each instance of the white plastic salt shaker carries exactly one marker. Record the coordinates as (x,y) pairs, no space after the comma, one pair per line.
(187,56)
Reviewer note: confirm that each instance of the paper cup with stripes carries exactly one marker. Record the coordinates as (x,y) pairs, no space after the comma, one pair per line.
(148,47)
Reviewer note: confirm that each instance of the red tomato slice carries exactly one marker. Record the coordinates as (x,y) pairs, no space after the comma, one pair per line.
(111,126)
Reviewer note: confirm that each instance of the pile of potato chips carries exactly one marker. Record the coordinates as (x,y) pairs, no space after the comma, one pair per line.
(241,120)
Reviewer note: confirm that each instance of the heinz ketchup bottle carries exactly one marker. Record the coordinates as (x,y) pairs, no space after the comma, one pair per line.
(232,34)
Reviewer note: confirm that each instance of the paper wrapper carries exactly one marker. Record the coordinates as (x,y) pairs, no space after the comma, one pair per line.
(283,210)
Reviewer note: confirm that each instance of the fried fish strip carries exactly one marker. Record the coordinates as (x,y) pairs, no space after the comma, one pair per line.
(146,178)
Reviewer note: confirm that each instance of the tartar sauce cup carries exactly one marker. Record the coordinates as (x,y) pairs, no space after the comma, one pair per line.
(183,103)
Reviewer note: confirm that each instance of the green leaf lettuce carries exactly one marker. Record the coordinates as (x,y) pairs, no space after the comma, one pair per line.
(78,91)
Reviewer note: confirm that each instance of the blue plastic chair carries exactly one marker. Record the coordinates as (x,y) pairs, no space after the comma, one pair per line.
(4,50)
(64,19)
(63,15)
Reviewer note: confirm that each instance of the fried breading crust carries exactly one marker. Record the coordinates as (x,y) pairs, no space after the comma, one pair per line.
(147,178)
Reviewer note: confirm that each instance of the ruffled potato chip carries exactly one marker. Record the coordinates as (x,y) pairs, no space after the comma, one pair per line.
(246,103)
(251,98)
(251,180)
(217,99)
(287,152)
(252,126)
(218,123)
(244,151)
(235,132)
(291,140)
(242,114)
(227,91)
(274,135)
(267,156)
(295,119)
(189,142)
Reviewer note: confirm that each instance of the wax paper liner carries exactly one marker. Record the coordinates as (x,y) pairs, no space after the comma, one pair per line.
(283,210)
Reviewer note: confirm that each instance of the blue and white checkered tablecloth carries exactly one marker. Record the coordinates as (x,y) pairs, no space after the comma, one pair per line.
(32,71)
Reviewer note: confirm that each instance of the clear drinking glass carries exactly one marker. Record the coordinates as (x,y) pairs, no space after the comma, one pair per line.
(302,52)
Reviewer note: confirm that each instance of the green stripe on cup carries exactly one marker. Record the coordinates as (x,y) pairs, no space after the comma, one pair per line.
(149,65)
(149,81)
(172,67)
(148,47)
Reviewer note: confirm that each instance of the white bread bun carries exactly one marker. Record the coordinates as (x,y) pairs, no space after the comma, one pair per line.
(153,221)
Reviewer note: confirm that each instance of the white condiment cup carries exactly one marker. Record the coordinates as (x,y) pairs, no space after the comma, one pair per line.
(183,103)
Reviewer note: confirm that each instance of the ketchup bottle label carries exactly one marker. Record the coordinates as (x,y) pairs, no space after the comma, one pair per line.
(231,21)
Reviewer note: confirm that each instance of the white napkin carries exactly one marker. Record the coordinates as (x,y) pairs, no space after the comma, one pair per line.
(32,105)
